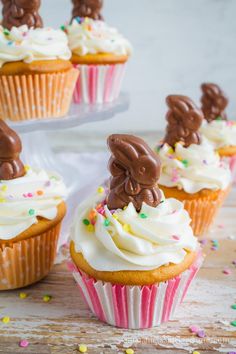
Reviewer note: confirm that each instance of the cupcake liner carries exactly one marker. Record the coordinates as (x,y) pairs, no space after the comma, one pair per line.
(28,261)
(135,307)
(98,83)
(231,160)
(24,97)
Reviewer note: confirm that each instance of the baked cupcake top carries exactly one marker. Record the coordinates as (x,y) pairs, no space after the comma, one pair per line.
(88,36)
(188,161)
(32,44)
(131,226)
(25,193)
(216,128)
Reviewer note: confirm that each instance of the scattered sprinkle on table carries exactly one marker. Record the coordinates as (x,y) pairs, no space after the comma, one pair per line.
(231,352)
(143,216)
(233,323)
(23,343)
(23,295)
(193,329)
(196,352)
(47,298)
(220,226)
(129,351)
(201,333)
(100,190)
(83,348)
(227,271)
(233,306)
(6,319)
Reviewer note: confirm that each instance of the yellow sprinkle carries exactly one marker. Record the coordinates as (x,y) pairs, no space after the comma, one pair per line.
(4,188)
(23,295)
(126,227)
(27,168)
(83,348)
(170,151)
(100,190)
(90,228)
(125,207)
(129,351)
(47,298)
(2,200)
(115,216)
(196,352)
(6,319)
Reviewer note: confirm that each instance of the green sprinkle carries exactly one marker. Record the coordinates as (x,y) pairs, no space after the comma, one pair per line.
(86,222)
(185,163)
(6,32)
(143,216)
(158,148)
(162,201)
(63,28)
(233,307)
(218,119)
(31,212)
(233,323)
(106,222)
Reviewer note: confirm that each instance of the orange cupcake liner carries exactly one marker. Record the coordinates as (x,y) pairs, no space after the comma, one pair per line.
(28,261)
(25,97)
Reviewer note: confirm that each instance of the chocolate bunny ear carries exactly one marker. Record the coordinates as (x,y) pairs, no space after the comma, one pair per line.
(21,12)
(10,148)
(214,102)
(87,8)
(184,120)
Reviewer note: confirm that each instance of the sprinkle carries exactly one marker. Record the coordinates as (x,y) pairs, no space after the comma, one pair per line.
(203,242)
(126,227)
(158,148)
(162,201)
(125,207)
(23,295)
(218,119)
(214,248)
(220,226)
(92,214)
(10,43)
(234,262)
(90,228)
(86,222)
(115,216)
(47,298)
(231,352)
(143,216)
(233,306)
(170,151)
(193,329)
(233,323)
(177,238)
(83,348)
(39,192)
(201,333)
(2,200)
(23,343)
(78,19)
(6,32)
(196,352)
(6,319)
(129,351)
(227,271)
(31,212)
(204,162)
(100,190)
(185,163)
(30,195)
(47,184)
(4,188)
(63,28)
(106,222)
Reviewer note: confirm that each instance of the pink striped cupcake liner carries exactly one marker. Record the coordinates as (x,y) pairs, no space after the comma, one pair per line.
(135,307)
(98,83)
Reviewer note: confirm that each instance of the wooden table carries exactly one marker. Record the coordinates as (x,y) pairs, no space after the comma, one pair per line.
(60,325)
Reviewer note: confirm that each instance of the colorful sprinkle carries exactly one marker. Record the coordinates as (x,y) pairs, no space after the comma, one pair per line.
(203,242)
(193,329)
(129,351)
(23,343)
(175,237)
(107,222)
(220,226)
(90,228)
(83,348)
(218,119)
(4,188)
(233,323)
(27,168)
(204,162)
(92,214)
(23,295)
(196,352)
(143,216)
(115,216)
(185,163)
(100,190)
(47,298)
(63,28)
(126,227)
(86,222)
(201,333)
(227,271)
(6,319)
(6,32)
(2,200)
(39,192)
(31,212)
(231,352)
(233,306)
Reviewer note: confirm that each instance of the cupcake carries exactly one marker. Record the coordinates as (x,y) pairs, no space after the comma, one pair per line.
(216,128)
(31,212)
(37,78)
(133,252)
(100,53)
(192,171)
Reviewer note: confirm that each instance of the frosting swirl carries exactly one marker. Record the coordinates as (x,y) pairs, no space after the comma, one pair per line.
(23,199)
(88,36)
(193,168)
(129,240)
(29,44)
(219,132)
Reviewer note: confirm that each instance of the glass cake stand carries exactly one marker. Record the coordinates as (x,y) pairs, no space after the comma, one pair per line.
(37,149)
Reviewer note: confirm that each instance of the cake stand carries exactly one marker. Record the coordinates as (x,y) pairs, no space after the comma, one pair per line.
(37,149)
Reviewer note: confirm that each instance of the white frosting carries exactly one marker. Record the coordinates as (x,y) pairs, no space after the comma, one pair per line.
(144,243)
(220,132)
(93,36)
(37,193)
(193,168)
(29,44)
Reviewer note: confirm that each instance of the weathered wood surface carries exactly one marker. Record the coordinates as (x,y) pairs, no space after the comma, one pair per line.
(60,325)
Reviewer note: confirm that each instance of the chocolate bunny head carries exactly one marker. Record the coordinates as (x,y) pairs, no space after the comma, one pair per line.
(87,8)
(10,148)
(135,170)
(21,12)
(214,102)
(184,120)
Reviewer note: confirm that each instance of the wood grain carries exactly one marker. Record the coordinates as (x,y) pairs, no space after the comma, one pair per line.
(59,326)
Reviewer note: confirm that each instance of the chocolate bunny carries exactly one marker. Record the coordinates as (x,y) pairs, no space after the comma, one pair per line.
(87,8)
(10,148)
(135,170)
(21,12)
(184,120)
(214,102)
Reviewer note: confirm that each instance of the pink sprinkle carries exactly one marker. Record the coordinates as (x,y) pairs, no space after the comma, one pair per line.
(174,211)
(203,242)
(193,329)
(47,184)
(227,271)
(201,333)
(214,248)
(93,221)
(220,226)
(23,343)
(101,211)
(30,195)
(175,237)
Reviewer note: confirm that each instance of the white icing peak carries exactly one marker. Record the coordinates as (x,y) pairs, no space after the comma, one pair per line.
(88,36)
(193,168)
(128,240)
(219,132)
(31,44)
(37,193)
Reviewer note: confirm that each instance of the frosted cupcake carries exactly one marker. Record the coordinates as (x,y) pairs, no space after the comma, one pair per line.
(37,78)
(31,211)
(216,128)
(192,171)
(133,251)
(99,52)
